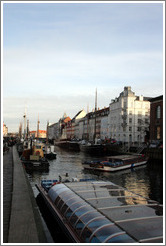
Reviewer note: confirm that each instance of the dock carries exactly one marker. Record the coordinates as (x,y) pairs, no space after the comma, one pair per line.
(21,219)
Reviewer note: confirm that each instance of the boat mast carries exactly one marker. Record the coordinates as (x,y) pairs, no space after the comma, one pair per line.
(47,132)
(24,116)
(87,122)
(27,128)
(38,127)
(95,115)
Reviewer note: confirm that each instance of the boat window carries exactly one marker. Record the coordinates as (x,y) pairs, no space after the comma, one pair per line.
(60,204)
(67,195)
(38,147)
(104,232)
(57,200)
(84,219)
(92,226)
(68,213)
(95,240)
(73,200)
(77,205)
(55,190)
(123,238)
(83,210)
(64,208)
(79,211)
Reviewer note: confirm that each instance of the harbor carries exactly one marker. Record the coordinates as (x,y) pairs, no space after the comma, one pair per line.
(83,158)
(146,181)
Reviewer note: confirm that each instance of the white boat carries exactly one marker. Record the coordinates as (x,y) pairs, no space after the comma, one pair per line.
(116,163)
(49,152)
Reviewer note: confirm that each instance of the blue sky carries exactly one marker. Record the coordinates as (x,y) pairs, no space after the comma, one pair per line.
(55,55)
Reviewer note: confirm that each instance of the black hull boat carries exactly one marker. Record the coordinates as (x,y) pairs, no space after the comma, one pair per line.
(50,156)
(36,165)
(93,149)
(69,145)
(102,212)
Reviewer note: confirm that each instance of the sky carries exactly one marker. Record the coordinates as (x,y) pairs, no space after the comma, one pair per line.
(55,55)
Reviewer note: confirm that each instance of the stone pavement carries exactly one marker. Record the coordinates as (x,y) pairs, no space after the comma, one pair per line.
(7,191)
(21,219)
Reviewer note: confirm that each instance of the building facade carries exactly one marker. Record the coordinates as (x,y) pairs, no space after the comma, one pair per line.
(5,130)
(129,117)
(156,118)
(72,126)
(94,125)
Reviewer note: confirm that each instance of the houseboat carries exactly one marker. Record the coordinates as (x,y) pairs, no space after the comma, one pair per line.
(102,212)
(116,163)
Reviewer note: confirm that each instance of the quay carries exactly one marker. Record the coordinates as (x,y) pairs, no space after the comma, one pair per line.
(21,219)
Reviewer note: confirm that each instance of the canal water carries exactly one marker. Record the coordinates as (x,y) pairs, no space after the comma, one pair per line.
(146,180)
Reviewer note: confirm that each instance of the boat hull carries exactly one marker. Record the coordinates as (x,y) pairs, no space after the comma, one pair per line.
(50,156)
(113,169)
(93,149)
(36,165)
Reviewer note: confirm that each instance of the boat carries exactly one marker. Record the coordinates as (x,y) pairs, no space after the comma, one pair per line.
(68,144)
(90,211)
(49,152)
(116,163)
(33,158)
(93,149)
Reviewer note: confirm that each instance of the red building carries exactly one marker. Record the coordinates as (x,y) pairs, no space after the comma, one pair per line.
(156,118)
(41,134)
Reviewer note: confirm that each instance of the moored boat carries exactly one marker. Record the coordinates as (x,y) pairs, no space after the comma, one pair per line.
(116,163)
(49,152)
(103,212)
(33,159)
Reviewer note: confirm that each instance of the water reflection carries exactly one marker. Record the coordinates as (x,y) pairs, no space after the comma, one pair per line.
(145,181)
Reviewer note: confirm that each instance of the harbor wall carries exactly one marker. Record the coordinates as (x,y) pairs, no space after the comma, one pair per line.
(25,222)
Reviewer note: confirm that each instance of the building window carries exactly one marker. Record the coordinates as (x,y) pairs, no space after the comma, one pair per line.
(130,120)
(158,112)
(130,112)
(130,128)
(158,132)
(139,121)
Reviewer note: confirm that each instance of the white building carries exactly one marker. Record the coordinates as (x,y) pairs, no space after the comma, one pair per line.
(129,117)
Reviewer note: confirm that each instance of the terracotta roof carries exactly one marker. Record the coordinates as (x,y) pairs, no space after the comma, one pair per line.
(67,119)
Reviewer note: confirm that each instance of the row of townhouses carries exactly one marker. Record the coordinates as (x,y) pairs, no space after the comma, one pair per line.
(127,119)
